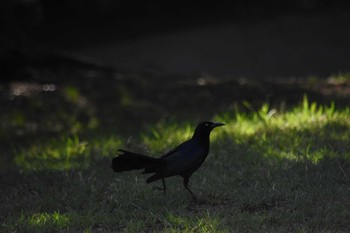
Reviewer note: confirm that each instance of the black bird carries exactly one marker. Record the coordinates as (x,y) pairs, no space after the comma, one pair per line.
(183,160)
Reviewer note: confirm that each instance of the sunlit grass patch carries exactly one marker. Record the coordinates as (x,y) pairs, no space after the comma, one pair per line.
(187,223)
(56,219)
(65,153)
(39,222)
(308,131)
(62,154)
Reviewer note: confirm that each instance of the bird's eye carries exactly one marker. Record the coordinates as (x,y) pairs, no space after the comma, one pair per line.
(206,124)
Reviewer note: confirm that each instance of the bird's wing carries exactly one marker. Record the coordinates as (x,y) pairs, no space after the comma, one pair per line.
(184,159)
(176,149)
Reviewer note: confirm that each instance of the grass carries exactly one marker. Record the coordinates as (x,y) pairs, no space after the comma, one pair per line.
(280,164)
(268,171)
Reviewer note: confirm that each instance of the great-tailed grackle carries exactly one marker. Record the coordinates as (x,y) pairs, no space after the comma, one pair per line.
(183,160)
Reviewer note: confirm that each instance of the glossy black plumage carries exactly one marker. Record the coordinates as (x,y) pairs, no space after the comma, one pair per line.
(183,160)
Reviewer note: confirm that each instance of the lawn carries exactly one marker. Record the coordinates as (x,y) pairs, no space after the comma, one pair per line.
(280,164)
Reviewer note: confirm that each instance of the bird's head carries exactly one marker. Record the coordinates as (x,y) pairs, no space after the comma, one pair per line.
(204,128)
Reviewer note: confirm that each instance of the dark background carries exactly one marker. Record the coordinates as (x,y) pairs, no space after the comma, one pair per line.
(250,39)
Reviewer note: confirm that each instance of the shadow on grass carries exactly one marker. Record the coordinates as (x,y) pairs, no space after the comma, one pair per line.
(247,195)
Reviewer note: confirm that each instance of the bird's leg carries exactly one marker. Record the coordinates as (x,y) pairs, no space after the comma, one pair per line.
(162,189)
(186,180)
(164,186)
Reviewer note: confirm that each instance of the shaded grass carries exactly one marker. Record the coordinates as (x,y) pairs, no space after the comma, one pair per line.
(269,170)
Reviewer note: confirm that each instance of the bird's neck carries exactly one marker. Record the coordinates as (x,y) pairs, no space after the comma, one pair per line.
(202,138)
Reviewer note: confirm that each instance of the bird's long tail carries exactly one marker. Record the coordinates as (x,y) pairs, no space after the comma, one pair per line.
(127,161)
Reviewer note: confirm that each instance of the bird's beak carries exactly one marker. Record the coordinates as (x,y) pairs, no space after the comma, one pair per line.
(217,124)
